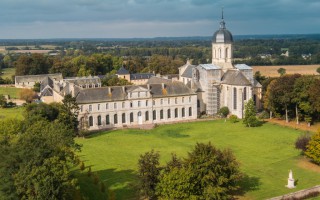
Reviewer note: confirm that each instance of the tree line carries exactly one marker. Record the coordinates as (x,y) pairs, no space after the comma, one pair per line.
(293,96)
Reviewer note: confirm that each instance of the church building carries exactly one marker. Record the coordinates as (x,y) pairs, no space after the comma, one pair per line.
(221,83)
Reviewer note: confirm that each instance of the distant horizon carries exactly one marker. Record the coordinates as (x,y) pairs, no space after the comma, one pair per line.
(164,37)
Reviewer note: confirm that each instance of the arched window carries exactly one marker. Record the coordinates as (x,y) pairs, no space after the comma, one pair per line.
(168,113)
(131,104)
(123,118)
(176,113)
(107,119)
(131,117)
(234,98)
(154,115)
(190,111)
(147,115)
(115,119)
(245,93)
(146,102)
(161,114)
(90,121)
(226,53)
(99,121)
(183,112)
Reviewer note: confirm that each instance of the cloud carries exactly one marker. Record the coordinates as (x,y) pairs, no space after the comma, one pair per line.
(243,17)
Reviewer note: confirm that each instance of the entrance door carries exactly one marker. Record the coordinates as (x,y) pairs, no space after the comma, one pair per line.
(139,118)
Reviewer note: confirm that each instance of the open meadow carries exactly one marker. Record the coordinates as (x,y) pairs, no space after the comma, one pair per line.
(15,113)
(12,91)
(266,155)
(290,69)
(8,73)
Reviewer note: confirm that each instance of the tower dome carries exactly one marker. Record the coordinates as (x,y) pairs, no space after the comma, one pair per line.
(222,35)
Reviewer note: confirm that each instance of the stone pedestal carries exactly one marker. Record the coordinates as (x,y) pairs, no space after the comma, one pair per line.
(290,181)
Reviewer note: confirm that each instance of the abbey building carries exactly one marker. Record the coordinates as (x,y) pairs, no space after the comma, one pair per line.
(200,89)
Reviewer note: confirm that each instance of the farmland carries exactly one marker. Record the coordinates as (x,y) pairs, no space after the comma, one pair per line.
(290,69)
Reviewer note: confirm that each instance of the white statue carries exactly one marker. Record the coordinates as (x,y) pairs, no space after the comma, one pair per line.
(290,181)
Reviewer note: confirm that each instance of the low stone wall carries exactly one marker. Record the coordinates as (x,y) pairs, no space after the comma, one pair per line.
(302,194)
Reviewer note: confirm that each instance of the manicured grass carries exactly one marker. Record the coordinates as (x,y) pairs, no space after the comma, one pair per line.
(266,154)
(12,91)
(8,72)
(11,112)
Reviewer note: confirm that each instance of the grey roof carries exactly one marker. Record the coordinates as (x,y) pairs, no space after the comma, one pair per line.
(188,71)
(222,35)
(235,77)
(37,78)
(242,66)
(120,93)
(141,76)
(122,71)
(47,81)
(209,66)
(158,80)
(83,80)
(47,92)
(256,83)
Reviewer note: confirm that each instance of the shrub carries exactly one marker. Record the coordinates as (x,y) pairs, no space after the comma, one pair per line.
(302,142)
(224,111)
(264,115)
(313,150)
(233,118)
(82,167)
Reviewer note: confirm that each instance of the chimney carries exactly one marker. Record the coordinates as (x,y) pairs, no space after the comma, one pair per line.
(162,85)
(148,85)
(109,90)
(124,89)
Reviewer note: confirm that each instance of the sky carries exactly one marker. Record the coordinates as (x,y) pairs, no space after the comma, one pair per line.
(40,19)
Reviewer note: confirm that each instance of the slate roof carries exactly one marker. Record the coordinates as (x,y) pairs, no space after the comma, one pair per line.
(234,77)
(242,66)
(256,83)
(122,71)
(188,71)
(47,92)
(158,80)
(141,76)
(37,78)
(120,93)
(209,66)
(47,81)
(83,80)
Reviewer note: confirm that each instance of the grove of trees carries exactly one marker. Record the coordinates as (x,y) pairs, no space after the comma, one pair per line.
(206,173)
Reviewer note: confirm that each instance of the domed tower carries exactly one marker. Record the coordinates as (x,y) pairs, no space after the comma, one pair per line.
(222,47)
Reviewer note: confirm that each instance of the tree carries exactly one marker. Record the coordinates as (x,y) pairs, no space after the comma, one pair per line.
(318,70)
(281,71)
(36,160)
(36,87)
(302,142)
(27,95)
(148,168)
(215,173)
(313,150)
(250,119)
(68,112)
(3,101)
(224,111)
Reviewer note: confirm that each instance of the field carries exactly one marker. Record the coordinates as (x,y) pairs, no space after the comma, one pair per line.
(266,154)
(12,91)
(8,73)
(11,112)
(292,69)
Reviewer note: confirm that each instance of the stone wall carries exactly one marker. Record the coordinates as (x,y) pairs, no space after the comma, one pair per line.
(299,194)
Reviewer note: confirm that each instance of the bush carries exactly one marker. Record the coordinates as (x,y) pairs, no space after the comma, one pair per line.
(313,150)
(302,142)
(233,118)
(224,112)
(264,115)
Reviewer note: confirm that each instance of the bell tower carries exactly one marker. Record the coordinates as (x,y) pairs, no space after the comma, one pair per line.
(222,47)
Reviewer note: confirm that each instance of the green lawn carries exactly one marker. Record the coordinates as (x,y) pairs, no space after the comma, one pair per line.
(11,112)
(266,154)
(12,91)
(8,72)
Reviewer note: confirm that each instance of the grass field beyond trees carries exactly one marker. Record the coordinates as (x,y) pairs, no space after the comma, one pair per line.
(12,91)
(266,155)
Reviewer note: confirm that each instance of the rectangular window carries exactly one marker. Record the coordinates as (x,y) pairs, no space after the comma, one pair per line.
(168,101)
(147,115)
(176,100)
(123,104)
(154,115)
(183,112)
(182,99)
(107,106)
(244,93)
(154,102)
(146,102)
(139,103)
(107,120)
(81,108)
(115,105)
(131,117)
(123,118)
(98,106)
(176,113)
(189,99)
(90,108)
(169,113)
(234,98)
(115,119)
(161,114)
(161,101)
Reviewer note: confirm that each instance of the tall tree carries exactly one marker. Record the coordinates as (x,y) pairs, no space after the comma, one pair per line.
(68,113)
(250,119)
